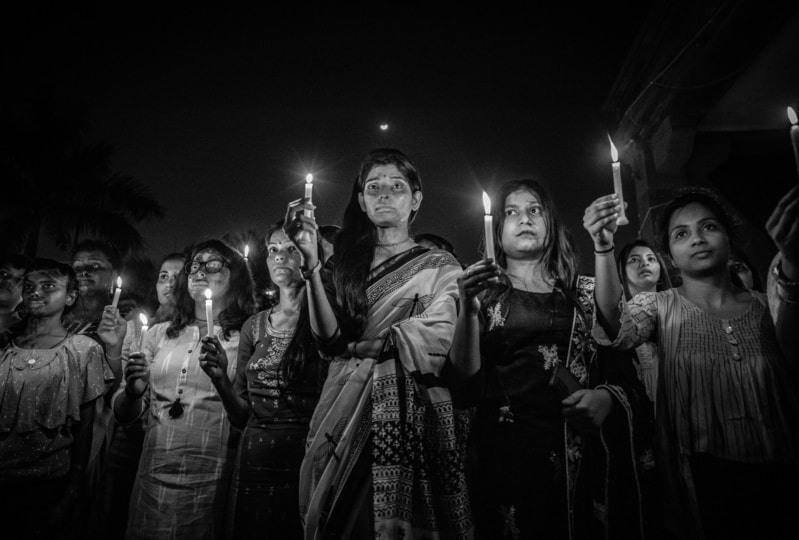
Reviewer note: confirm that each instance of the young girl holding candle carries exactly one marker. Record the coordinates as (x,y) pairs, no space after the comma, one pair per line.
(642,269)
(726,404)
(121,338)
(181,485)
(551,416)
(50,381)
(277,386)
(383,456)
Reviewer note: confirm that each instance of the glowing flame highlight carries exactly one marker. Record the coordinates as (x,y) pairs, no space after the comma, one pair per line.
(486,203)
(792,116)
(614,154)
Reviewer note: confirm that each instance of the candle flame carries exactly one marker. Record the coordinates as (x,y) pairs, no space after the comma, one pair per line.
(614,154)
(486,203)
(308,178)
(143,319)
(246,250)
(119,282)
(208,294)
(792,116)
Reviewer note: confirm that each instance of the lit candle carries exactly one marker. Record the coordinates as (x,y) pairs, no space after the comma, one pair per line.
(209,312)
(246,252)
(144,327)
(614,154)
(117,292)
(489,228)
(309,193)
(794,136)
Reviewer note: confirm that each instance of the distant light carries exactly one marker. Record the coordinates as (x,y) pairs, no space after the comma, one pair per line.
(383,127)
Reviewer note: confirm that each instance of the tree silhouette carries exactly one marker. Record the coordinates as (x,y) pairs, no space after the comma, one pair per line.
(63,186)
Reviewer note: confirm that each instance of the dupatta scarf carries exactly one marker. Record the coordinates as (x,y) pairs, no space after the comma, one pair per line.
(393,414)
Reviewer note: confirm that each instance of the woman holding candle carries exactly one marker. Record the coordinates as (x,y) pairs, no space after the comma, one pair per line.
(121,337)
(383,457)
(726,404)
(642,269)
(181,483)
(552,415)
(277,386)
(50,381)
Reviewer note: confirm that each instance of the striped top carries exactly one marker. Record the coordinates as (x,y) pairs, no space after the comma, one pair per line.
(726,383)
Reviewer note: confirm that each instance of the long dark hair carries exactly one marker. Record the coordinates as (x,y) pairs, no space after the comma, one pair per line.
(559,259)
(664,282)
(241,295)
(356,241)
(302,347)
(152,293)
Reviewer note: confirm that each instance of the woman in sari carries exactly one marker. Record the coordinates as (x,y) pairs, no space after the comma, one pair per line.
(383,458)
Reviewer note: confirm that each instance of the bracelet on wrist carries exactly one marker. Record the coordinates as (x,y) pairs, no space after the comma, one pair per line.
(307,273)
(113,358)
(605,251)
(782,279)
(136,396)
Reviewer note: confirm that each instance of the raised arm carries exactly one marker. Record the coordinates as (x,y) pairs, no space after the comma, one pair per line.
(600,222)
(465,351)
(303,232)
(783,227)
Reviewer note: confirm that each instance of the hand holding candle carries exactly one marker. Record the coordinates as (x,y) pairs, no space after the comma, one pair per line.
(794,136)
(489,228)
(309,193)
(117,293)
(144,327)
(614,154)
(209,313)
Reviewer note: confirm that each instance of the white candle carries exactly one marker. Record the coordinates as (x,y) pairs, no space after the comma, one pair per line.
(246,252)
(209,312)
(144,327)
(117,292)
(614,154)
(489,228)
(309,193)
(794,136)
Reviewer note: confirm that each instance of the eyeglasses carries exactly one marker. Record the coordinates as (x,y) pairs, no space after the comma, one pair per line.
(211,266)
(6,276)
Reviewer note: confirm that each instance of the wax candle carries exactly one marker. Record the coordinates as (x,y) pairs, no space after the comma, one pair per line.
(246,252)
(117,292)
(209,312)
(614,154)
(144,327)
(489,228)
(794,136)
(309,193)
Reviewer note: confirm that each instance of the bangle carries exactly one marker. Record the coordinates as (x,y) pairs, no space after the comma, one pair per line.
(353,349)
(782,280)
(306,274)
(605,251)
(113,358)
(136,396)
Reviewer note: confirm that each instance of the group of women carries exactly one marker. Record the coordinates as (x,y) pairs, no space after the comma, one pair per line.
(389,392)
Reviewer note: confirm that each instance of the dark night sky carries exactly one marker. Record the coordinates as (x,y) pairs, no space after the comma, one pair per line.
(222,111)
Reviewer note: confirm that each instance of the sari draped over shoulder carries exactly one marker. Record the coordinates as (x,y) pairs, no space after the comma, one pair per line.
(392,414)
